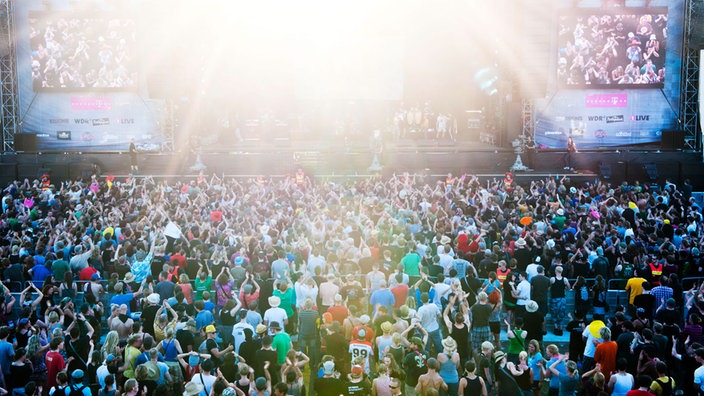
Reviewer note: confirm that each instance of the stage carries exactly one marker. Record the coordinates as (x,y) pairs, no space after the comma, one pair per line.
(431,157)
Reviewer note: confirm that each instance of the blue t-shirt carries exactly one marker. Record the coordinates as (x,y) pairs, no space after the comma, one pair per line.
(7,352)
(555,380)
(204,318)
(122,299)
(383,297)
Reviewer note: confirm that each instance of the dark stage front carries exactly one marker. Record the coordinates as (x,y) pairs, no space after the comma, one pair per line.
(341,161)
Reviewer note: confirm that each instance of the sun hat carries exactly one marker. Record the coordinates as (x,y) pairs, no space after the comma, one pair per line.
(129,277)
(498,355)
(154,298)
(520,242)
(274,301)
(261,328)
(531,306)
(192,389)
(275,326)
(560,212)
(449,343)
(445,240)
(386,327)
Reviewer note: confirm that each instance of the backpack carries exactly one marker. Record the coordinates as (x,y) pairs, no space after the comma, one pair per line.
(76,391)
(203,348)
(665,386)
(584,293)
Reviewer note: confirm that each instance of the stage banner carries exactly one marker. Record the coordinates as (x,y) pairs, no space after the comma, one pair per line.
(602,119)
(80,86)
(612,90)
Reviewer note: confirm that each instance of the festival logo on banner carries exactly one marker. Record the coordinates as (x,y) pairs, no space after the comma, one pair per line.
(91,103)
(606,100)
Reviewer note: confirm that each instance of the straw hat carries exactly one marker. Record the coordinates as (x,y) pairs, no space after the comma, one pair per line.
(274,301)
(531,306)
(450,344)
(192,389)
(129,277)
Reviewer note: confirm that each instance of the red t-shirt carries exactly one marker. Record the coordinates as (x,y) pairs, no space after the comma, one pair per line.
(605,355)
(87,273)
(178,259)
(400,293)
(339,312)
(54,363)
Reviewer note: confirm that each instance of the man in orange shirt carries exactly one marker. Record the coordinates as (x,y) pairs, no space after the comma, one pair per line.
(605,353)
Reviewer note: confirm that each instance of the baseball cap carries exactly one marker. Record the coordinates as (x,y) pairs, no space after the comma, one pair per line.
(356,370)
(210,329)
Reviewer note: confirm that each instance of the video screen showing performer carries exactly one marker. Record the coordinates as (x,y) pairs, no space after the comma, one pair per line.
(623,47)
(76,53)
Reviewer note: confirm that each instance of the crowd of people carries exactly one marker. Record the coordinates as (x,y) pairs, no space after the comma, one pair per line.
(64,56)
(612,49)
(403,285)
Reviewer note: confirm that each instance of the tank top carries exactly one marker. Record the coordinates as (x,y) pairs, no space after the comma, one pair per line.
(557,289)
(474,387)
(382,386)
(170,352)
(383,343)
(623,384)
(523,380)
(461,337)
(448,371)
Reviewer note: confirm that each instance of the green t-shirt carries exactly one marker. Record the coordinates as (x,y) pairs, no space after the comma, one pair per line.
(411,264)
(202,286)
(59,268)
(281,343)
(517,344)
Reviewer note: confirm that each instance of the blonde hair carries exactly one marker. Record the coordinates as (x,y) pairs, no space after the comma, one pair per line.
(552,349)
(482,296)
(599,380)
(183,279)
(487,346)
(523,355)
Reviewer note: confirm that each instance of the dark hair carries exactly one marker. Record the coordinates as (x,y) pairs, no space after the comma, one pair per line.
(207,365)
(621,364)
(281,387)
(109,380)
(470,366)
(643,381)
(55,342)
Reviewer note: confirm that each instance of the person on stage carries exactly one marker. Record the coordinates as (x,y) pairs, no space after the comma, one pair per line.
(571,148)
(133,157)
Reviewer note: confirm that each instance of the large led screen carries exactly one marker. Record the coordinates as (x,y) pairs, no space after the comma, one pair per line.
(610,48)
(71,52)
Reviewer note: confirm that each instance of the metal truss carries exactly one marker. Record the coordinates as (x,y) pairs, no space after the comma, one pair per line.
(689,86)
(8,78)
(528,130)
(169,126)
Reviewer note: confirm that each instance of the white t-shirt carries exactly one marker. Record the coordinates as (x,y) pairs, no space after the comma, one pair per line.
(523,290)
(428,315)
(589,348)
(275,315)
(238,333)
